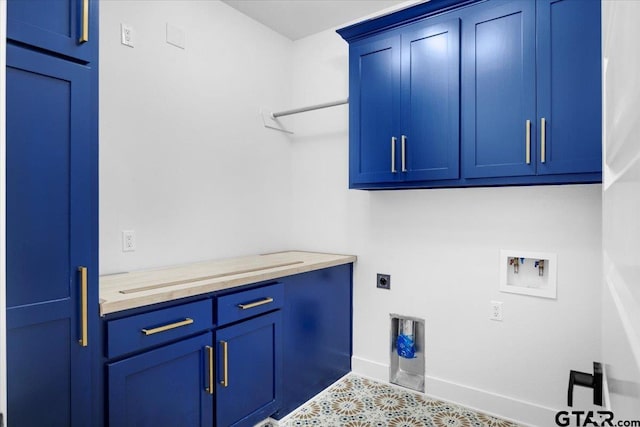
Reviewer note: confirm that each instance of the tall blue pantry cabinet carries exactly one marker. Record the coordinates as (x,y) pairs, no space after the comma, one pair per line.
(52,211)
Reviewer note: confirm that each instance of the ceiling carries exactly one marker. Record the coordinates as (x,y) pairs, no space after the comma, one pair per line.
(296,19)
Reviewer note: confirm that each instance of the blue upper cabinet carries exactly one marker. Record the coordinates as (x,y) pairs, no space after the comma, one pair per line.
(491,93)
(374,110)
(66,27)
(404,105)
(499,90)
(569,89)
(429,141)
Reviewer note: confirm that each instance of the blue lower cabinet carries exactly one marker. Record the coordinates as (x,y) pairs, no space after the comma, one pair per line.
(316,333)
(163,387)
(223,361)
(248,370)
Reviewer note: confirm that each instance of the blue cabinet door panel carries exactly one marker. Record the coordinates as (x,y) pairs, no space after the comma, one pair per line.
(317,333)
(374,109)
(162,388)
(254,368)
(49,235)
(39,365)
(569,88)
(499,90)
(431,100)
(54,25)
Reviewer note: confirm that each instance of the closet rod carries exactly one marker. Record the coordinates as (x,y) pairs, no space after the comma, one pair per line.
(311,108)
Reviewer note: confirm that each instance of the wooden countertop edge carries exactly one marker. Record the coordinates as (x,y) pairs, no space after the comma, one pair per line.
(172,293)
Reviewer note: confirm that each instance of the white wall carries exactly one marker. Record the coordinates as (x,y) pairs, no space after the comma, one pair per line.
(441,249)
(184,158)
(621,293)
(186,163)
(3,305)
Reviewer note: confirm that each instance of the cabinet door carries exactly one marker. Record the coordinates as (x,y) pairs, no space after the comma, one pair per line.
(569,86)
(499,90)
(163,387)
(55,25)
(50,233)
(317,333)
(374,109)
(431,102)
(248,370)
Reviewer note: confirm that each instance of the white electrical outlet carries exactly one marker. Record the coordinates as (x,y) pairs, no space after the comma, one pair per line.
(495,312)
(128,241)
(126,35)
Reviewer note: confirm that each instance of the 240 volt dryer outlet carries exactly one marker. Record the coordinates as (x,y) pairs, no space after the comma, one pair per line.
(383,281)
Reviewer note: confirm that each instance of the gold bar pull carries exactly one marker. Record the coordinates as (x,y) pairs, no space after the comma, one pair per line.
(256,304)
(84,328)
(84,30)
(543,140)
(168,327)
(225,364)
(403,143)
(210,357)
(528,142)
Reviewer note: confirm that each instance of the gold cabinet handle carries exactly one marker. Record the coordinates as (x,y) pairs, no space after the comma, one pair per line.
(210,357)
(168,327)
(543,140)
(255,304)
(225,364)
(393,154)
(403,150)
(84,330)
(528,142)
(84,30)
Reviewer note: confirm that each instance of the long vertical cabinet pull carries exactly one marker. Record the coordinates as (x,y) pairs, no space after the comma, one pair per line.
(393,154)
(528,142)
(403,151)
(84,22)
(210,387)
(84,334)
(543,140)
(225,364)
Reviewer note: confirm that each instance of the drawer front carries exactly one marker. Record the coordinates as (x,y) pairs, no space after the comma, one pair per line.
(145,330)
(244,304)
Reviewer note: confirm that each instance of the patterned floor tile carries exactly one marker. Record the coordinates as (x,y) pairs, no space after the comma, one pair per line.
(360,402)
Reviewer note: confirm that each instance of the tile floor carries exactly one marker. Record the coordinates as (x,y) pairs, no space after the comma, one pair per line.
(355,401)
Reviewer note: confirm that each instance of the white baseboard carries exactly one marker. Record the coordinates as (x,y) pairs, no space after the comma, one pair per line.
(516,410)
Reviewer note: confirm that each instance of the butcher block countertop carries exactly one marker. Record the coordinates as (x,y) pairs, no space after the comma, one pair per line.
(140,288)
